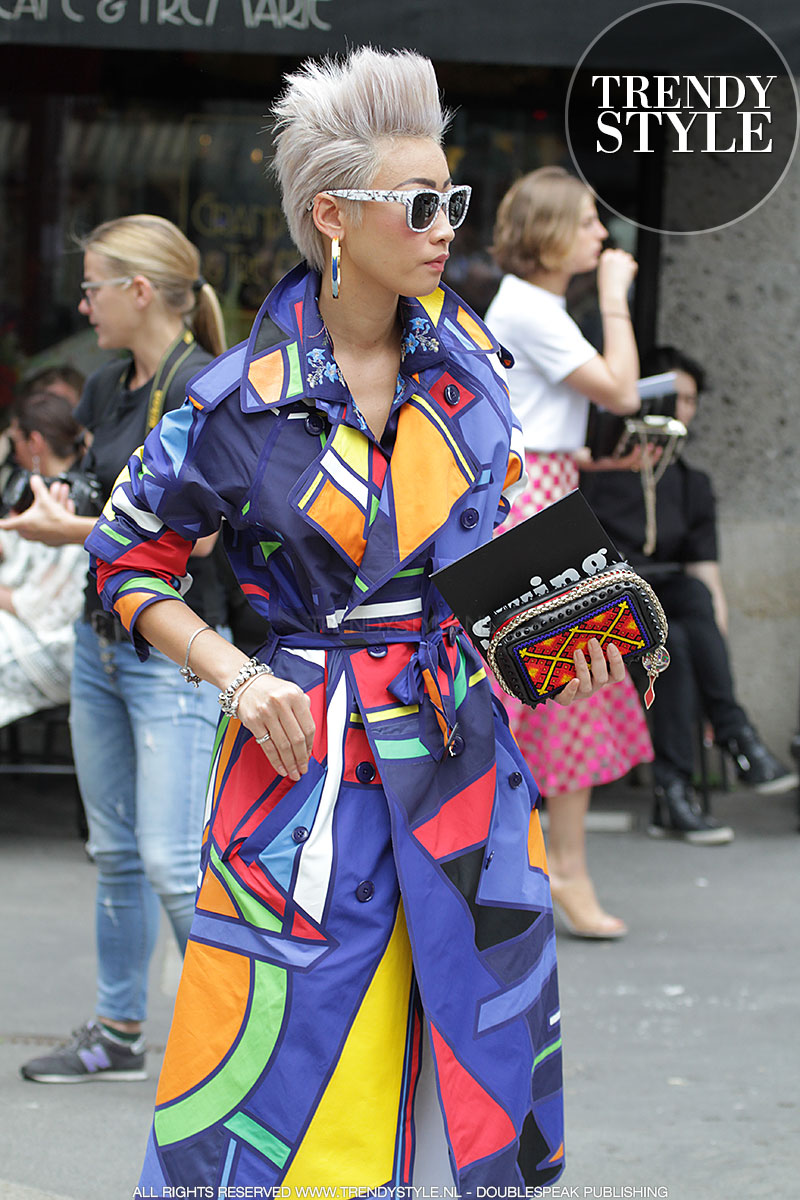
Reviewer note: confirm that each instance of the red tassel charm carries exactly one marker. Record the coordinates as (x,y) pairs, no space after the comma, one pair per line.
(654,663)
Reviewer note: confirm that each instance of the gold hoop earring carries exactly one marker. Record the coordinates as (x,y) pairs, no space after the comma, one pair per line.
(336,267)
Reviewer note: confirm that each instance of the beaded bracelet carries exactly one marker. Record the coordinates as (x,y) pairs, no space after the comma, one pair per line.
(228,700)
(262,669)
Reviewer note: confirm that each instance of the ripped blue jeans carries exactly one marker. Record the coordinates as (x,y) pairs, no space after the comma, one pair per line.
(142,741)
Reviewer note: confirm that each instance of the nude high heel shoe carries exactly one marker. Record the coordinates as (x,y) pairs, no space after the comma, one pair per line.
(581,913)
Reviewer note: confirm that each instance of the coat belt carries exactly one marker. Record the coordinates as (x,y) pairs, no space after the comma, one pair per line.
(420,681)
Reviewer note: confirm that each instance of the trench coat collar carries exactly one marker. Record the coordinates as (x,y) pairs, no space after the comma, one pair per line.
(302,366)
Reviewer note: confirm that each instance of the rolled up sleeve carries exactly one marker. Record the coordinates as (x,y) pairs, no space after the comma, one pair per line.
(161,503)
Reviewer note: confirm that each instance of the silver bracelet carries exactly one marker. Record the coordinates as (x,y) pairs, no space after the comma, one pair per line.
(242,688)
(188,674)
(228,700)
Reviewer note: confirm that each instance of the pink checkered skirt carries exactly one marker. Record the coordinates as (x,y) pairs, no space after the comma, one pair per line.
(594,740)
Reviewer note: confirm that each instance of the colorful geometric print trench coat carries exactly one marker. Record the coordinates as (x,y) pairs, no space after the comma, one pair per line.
(403,879)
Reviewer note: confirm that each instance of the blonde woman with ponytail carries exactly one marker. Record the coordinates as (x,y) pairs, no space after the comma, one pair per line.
(141,738)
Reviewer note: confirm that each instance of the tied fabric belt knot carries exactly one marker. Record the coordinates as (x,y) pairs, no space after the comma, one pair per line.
(421,680)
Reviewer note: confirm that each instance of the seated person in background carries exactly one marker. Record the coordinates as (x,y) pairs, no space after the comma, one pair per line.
(684,573)
(61,378)
(41,587)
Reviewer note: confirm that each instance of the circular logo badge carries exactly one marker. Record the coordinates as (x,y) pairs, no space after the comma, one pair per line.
(691,90)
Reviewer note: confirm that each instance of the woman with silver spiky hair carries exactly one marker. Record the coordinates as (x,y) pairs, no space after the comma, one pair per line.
(370,985)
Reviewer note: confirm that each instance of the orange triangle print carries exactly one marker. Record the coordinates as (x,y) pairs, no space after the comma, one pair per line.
(429,474)
(214,898)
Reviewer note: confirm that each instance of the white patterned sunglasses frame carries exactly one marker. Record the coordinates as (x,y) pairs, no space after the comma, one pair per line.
(444,201)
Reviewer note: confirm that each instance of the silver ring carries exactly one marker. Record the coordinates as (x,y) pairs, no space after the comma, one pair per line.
(263,739)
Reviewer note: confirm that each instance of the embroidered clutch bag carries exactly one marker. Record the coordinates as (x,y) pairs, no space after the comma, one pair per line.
(530,651)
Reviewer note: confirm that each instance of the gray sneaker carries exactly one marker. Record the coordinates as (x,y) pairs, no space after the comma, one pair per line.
(93,1054)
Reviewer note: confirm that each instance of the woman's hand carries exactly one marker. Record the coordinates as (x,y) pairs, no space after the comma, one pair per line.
(634,460)
(50,518)
(609,379)
(616,271)
(281,709)
(266,703)
(590,678)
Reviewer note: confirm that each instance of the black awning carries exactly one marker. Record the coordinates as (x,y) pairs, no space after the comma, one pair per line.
(535,32)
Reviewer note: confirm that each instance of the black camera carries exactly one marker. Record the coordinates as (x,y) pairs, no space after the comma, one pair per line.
(85,492)
(655,423)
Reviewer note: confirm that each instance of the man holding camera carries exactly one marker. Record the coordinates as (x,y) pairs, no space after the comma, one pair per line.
(683,570)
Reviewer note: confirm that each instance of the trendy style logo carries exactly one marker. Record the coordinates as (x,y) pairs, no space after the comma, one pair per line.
(689,109)
(682,116)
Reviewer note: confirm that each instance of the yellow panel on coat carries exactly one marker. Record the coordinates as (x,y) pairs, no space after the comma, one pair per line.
(433,304)
(353,448)
(351,1139)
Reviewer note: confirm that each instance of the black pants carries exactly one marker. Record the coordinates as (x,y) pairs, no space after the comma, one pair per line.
(699,669)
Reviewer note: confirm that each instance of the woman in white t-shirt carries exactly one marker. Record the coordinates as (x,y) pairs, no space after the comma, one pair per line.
(547,231)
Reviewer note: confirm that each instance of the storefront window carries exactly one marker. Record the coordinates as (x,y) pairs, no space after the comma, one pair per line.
(68,162)
(230,209)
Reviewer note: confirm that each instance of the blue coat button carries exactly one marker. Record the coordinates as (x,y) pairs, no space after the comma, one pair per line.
(469,518)
(365,772)
(451,394)
(457,746)
(300,833)
(315,423)
(515,779)
(377,651)
(365,891)
(452,635)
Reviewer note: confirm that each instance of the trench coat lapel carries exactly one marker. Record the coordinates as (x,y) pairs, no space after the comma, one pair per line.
(378,516)
(432,465)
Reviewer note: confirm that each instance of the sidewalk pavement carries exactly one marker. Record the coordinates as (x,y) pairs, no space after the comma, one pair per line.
(681,1042)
